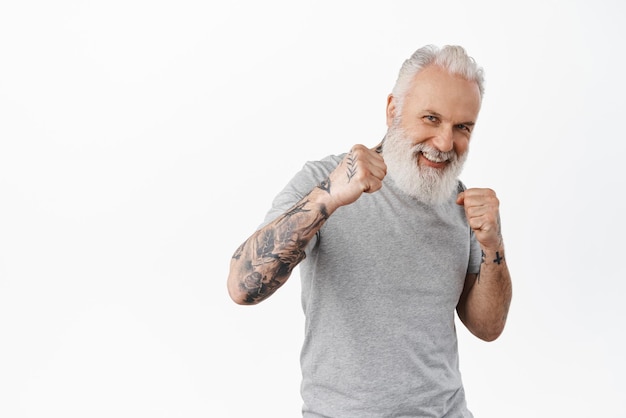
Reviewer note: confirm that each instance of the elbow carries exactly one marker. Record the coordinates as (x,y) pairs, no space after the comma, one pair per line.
(243,301)
(486,330)
(489,336)
(489,333)
(239,295)
(235,287)
(237,299)
(487,325)
(234,291)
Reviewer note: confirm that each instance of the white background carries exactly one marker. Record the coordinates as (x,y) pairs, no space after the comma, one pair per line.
(143,141)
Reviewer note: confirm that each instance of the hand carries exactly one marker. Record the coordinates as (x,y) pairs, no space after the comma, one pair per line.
(483,215)
(361,171)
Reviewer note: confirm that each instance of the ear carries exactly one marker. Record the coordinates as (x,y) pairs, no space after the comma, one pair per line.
(391,109)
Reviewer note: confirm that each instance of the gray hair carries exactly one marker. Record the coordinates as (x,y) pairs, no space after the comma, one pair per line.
(453,58)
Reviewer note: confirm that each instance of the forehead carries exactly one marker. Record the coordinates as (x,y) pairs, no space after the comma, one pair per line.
(435,89)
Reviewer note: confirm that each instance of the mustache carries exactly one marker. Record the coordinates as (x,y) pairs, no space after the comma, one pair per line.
(425,148)
(395,136)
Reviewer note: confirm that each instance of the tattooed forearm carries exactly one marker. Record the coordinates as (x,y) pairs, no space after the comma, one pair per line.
(239,251)
(498,260)
(298,208)
(273,252)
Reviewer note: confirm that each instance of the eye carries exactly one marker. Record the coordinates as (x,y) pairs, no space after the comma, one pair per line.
(463,127)
(431,118)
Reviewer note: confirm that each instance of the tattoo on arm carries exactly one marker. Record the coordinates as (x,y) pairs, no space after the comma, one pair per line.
(239,251)
(298,208)
(275,251)
(498,260)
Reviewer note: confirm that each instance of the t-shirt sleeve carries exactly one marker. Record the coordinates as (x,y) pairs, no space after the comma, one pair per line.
(311,175)
(475,255)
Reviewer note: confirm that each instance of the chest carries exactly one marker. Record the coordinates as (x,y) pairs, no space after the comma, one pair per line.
(394,250)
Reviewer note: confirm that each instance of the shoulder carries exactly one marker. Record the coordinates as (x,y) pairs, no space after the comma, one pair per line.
(310,175)
(314,172)
(325,165)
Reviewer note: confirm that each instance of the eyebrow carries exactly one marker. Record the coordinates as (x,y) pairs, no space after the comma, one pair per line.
(439,115)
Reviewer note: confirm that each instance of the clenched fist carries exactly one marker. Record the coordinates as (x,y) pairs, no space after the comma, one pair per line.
(482,209)
(361,171)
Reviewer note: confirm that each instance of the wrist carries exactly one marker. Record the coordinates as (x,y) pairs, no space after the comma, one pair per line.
(493,255)
(322,199)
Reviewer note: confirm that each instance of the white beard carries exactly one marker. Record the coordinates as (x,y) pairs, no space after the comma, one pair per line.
(426,184)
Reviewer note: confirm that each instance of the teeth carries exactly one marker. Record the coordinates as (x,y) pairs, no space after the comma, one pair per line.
(433,158)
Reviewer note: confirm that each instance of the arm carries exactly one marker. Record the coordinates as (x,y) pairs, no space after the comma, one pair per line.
(484,303)
(265,261)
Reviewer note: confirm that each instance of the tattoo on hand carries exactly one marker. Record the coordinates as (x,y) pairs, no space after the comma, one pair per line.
(325,185)
(352,166)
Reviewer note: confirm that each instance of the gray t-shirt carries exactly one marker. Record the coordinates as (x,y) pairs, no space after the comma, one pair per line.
(380,285)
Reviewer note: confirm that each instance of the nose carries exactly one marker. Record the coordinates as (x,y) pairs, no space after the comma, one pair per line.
(444,140)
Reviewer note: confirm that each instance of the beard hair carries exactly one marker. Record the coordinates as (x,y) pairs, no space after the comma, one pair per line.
(426,184)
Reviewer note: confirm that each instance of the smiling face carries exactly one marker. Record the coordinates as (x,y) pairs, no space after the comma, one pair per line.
(429,133)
